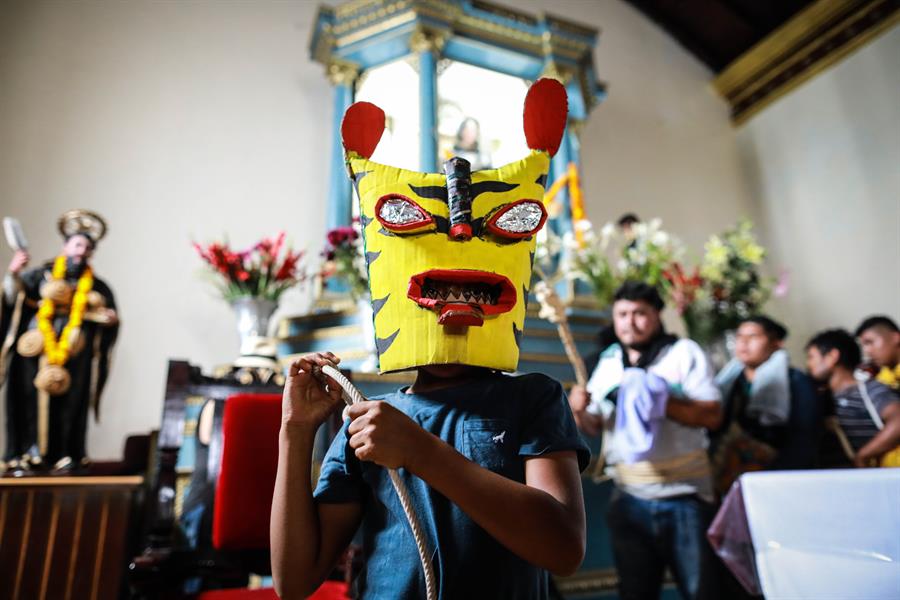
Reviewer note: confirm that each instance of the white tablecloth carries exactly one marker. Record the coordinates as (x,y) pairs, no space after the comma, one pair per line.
(830,534)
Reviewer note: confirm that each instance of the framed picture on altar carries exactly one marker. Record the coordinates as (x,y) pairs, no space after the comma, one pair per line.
(475,120)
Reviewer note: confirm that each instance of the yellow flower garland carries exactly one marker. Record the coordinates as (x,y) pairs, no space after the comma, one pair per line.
(57,351)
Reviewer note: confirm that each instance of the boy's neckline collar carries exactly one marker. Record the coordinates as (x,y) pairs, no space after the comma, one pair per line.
(479,378)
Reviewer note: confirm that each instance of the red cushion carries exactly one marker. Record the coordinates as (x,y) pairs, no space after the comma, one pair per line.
(247,476)
(330,590)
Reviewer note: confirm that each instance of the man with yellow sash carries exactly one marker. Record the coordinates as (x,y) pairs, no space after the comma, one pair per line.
(654,396)
(59,324)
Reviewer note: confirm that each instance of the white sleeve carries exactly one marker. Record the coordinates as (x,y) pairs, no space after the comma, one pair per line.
(697,376)
(606,376)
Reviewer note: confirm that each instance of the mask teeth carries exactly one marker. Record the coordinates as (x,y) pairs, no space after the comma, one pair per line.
(479,293)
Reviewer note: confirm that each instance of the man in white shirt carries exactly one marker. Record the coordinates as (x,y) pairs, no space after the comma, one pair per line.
(654,395)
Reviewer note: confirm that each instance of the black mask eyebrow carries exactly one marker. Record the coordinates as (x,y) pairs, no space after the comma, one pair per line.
(439,192)
(434,192)
(491,186)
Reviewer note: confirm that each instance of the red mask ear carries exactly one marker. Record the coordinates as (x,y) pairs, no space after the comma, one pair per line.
(362,127)
(546,109)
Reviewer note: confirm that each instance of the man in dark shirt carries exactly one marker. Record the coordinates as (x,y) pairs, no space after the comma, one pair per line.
(868,411)
(772,414)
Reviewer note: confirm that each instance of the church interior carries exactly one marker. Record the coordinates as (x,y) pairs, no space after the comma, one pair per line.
(606,287)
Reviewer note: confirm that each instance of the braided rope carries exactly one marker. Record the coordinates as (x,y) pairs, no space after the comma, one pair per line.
(565,334)
(352,396)
(553,310)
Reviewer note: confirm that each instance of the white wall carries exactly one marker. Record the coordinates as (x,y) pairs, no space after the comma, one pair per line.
(824,163)
(661,145)
(193,119)
(175,121)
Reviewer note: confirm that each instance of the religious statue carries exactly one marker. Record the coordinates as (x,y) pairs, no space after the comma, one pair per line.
(59,324)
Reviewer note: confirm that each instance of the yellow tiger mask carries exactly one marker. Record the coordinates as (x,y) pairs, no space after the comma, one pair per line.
(449,255)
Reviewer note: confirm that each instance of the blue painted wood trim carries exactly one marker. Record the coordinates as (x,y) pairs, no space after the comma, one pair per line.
(559,165)
(427,112)
(493,58)
(562,224)
(339,190)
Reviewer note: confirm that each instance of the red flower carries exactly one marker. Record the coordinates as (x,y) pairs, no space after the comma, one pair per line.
(684,288)
(342,235)
(201,251)
(288,267)
(218,257)
(277,243)
(258,264)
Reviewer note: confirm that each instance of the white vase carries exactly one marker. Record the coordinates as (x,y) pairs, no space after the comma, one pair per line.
(253,316)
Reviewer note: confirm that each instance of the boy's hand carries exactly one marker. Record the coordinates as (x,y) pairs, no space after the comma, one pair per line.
(382,434)
(305,400)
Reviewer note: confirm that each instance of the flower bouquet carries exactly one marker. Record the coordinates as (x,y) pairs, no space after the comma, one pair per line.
(726,288)
(259,271)
(606,260)
(344,260)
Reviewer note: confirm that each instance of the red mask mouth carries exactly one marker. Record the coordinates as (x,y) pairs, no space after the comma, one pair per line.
(462,297)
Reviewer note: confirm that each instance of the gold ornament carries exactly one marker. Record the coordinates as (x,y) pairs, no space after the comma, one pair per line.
(57,291)
(31,343)
(82,222)
(244,376)
(53,379)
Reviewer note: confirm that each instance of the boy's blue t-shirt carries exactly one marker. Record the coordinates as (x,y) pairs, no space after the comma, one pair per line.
(498,421)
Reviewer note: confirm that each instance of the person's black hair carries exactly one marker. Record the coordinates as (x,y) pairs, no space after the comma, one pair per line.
(840,340)
(462,126)
(775,330)
(639,291)
(628,219)
(876,321)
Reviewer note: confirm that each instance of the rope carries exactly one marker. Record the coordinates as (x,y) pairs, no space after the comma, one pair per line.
(553,310)
(565,334)
(686,466)
(352,395)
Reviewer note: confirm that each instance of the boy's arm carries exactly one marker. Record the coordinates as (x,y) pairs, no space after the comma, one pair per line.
(542,521)
(306,537)
(886,439)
